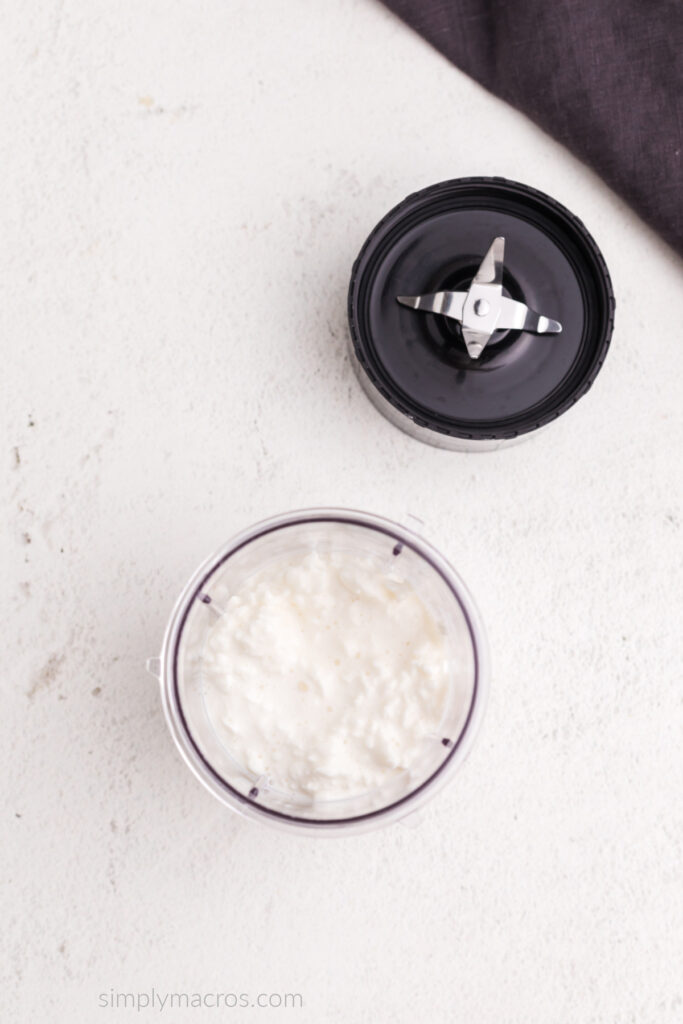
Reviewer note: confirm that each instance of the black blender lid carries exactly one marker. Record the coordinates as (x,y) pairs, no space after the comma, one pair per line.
(434,241)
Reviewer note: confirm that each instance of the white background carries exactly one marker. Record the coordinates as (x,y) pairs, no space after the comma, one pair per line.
(185,186)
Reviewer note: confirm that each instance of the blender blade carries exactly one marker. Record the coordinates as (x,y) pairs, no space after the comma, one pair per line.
(483,308)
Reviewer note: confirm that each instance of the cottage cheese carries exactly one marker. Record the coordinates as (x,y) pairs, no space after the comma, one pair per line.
(327,674)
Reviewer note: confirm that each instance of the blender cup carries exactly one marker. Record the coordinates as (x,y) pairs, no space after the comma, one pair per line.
(341,531)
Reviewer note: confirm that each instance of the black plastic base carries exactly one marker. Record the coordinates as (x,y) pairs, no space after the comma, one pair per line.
(434,240)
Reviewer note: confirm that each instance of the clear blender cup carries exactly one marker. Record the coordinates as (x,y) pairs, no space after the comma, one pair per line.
(357,534)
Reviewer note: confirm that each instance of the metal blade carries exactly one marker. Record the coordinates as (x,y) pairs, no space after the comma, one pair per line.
(491,267)
(446,303)
(483,309)
(541,324)
(517,316)
(475,342)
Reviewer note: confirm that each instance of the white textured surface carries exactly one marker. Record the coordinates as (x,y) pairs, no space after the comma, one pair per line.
(185,186)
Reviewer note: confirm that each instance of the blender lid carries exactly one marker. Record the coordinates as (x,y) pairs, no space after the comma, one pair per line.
(480,308)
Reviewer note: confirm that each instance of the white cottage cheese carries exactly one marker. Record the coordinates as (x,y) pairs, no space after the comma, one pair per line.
(326,673)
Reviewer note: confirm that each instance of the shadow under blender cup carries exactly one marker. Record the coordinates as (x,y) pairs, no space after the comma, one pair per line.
(415,366)
(361,535)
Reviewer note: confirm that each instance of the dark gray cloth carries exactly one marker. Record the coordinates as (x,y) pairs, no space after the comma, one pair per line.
(604,77)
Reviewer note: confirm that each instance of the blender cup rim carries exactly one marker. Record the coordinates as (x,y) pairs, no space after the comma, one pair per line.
(199,763)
